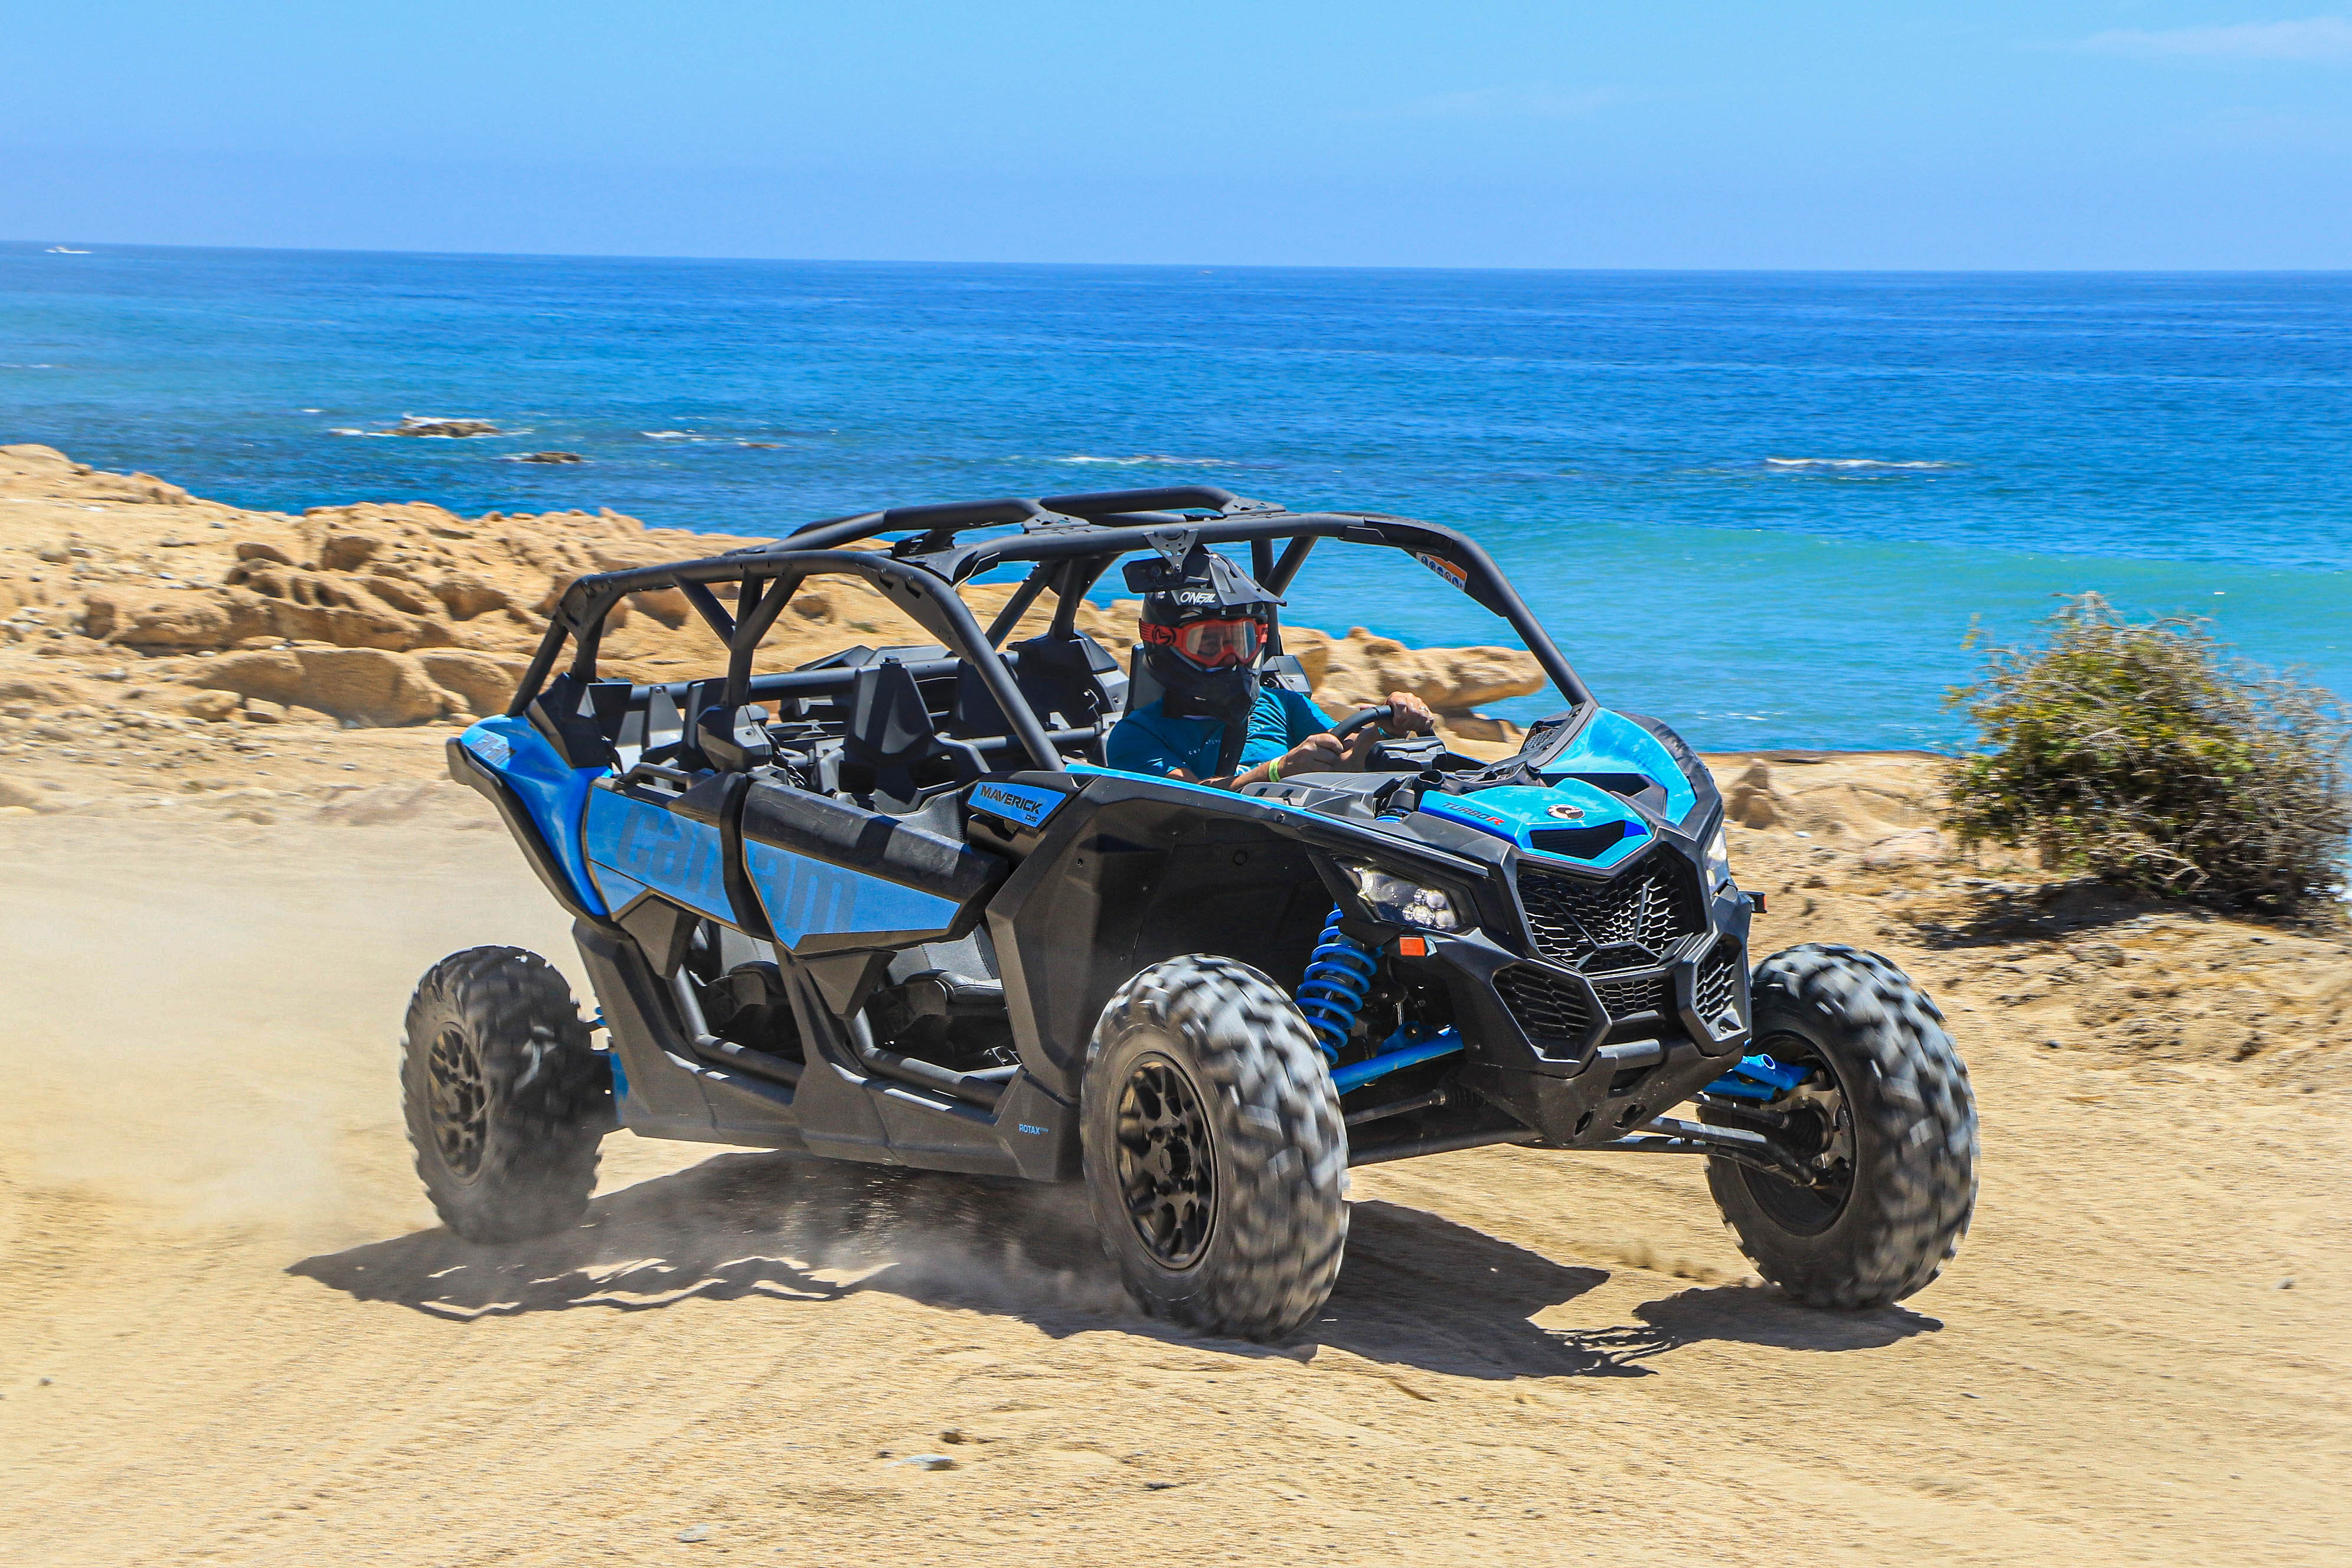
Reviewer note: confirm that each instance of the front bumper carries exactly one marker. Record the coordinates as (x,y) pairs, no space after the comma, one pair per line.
(1584,1053)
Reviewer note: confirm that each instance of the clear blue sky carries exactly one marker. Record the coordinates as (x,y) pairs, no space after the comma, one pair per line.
(1898,134)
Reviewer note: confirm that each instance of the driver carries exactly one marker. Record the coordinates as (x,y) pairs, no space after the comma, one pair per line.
(1205,632)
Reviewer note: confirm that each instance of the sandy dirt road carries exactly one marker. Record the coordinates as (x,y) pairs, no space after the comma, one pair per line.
(230,1331)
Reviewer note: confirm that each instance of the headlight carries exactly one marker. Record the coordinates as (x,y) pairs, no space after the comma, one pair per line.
(1404,902)
(1718,860)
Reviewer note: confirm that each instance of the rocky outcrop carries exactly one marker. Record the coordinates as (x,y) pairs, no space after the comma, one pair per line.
(426,424)
(1361,670)
(366,686)
(127,573)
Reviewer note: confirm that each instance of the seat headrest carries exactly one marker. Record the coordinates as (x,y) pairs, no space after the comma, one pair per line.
(888,723)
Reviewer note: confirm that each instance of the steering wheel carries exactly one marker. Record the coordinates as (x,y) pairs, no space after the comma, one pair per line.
(1362,717)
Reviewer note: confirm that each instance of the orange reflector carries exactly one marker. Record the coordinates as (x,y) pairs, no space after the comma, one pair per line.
(1412,947)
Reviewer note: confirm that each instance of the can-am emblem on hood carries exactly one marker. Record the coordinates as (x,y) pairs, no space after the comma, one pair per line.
(1565,812)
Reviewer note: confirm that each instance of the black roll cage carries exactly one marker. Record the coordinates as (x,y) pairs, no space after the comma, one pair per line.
(1072,540)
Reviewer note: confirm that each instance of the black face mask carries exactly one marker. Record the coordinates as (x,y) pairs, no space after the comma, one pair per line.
(1189,691)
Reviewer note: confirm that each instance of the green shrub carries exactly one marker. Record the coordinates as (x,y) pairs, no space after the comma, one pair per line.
(2149,757)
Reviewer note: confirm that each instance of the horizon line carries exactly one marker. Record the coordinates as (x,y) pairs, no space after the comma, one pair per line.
(46,242)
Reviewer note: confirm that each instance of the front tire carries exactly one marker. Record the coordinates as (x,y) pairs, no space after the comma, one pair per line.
(505,1102)
(1891,1134)
(1215,1161)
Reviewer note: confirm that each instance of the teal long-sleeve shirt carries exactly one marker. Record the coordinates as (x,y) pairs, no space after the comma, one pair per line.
(1148,740)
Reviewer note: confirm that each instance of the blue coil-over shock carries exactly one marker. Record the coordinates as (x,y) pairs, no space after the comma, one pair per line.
(1338,977)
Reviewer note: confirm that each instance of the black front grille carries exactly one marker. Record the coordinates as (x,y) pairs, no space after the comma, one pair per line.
(1653,905)
(1718,982)
(1631,998)
(1551,1010)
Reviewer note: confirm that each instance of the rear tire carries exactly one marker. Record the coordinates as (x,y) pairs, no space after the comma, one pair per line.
(505,1102)
(1895,1118)
(1215,1161)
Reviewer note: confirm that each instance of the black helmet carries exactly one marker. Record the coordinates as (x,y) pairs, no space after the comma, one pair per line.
(1204,628)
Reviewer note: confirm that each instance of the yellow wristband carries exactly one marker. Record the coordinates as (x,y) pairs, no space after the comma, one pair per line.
(1274,771)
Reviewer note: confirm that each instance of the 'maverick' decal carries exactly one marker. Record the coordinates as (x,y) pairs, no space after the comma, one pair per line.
(1024,804)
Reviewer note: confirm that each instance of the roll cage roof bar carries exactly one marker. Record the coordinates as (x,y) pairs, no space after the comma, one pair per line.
(1072,539)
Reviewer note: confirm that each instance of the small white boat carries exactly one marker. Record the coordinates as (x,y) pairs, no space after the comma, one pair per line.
(66,250)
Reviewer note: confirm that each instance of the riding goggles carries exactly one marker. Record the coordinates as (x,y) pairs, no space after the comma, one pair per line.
(1212,645)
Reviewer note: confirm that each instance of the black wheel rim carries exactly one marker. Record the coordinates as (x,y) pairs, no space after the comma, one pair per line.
(1824,1131)
(1167,1171)
(461,1103)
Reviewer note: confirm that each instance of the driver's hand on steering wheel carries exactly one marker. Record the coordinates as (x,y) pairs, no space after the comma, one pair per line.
(1408,715)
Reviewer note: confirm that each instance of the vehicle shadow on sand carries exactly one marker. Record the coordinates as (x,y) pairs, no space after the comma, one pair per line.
(1417,1289)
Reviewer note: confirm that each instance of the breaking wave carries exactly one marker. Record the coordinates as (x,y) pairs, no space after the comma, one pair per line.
(1848,463)
(1148,457)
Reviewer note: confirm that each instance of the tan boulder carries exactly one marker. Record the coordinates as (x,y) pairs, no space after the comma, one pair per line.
(199,620)
(139,490)
(1752,800)
(47,691)
(1916,846)
(1361,669)
(314,606)
(99,613)
(486,684)
(372,686)
(210,706)
(405,597)
(467,594)
(348,552)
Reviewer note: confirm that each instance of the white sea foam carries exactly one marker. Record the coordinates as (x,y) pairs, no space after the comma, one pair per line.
(679,435)
(1847,463)
(1148,457)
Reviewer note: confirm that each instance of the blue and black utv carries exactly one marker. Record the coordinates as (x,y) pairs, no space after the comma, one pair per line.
(893,907)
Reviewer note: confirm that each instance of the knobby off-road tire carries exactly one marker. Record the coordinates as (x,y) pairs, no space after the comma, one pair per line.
(1912,1124)
(1216,1163)
(505,1102)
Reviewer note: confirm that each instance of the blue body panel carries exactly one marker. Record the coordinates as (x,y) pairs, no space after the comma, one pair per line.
(555,795)
(649,847)
(1613,743)
(1171,784)
(1513,812)
(805,897)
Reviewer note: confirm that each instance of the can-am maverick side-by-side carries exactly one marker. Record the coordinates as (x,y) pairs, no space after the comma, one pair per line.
(892,907)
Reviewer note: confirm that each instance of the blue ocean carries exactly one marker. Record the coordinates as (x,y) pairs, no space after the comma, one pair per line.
(1769,507)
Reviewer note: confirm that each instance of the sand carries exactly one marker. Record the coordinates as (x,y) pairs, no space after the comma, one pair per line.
(234,1333)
